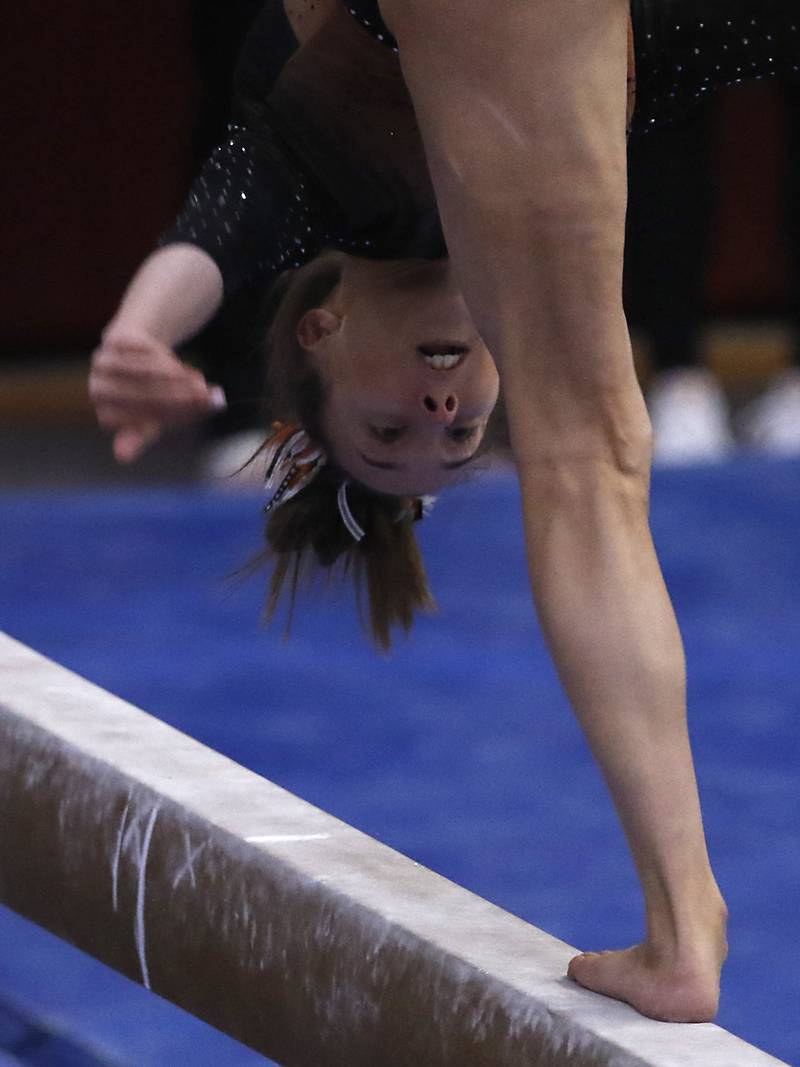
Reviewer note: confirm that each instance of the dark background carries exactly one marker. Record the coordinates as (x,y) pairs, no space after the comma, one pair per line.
(108,110)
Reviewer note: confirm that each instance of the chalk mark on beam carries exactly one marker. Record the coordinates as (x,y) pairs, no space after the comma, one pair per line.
(280,839)
(138,923)
(188,866)
(116,858)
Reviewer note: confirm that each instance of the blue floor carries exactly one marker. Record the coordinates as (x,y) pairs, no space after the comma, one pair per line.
(459,749)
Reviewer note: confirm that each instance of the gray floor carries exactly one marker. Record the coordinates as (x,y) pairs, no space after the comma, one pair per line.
(52,457)
(49,437)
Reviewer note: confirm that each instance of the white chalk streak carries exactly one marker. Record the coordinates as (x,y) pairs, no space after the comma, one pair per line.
(188,867)
(116,858)
(138,922)
(275,839)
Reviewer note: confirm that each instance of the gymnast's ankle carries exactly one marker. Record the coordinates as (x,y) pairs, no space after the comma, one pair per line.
(690,935)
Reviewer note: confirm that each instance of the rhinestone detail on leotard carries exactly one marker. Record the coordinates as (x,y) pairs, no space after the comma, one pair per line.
(367,13)
(685,50)
(256,215)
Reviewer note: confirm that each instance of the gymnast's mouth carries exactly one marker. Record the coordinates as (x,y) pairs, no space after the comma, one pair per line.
(443,355)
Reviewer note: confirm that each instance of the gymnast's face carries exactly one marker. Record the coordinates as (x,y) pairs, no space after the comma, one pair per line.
(410,383)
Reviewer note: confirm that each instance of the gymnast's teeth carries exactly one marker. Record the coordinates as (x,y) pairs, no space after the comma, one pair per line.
(444,361)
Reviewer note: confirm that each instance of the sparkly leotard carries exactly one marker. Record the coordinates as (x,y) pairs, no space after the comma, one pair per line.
(322,152)
(684,48)
(368,14)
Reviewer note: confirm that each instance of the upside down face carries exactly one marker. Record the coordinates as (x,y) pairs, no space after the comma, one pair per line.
(410,383)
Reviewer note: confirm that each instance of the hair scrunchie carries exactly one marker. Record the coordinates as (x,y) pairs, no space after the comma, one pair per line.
(292,463)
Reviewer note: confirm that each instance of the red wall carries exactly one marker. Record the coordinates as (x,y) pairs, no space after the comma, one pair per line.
(99,102)
(749,268)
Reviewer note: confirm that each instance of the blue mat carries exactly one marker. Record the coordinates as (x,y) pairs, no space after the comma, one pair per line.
(459,749)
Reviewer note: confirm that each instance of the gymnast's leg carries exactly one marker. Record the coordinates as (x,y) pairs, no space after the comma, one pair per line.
(523,112)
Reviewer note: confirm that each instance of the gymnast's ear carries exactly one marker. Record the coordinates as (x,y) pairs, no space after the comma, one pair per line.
(316,326)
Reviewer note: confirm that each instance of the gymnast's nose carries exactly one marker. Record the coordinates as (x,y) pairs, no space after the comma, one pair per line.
(442,406)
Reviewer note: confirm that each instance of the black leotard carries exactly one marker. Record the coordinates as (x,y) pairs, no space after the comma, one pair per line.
(301,170)
(687,48)
(369,15)
(684,48)
(307,163)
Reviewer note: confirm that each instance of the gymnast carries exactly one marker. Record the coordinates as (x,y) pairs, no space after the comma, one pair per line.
(514,152)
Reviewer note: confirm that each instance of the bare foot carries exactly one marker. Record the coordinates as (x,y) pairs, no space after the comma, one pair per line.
(657,984)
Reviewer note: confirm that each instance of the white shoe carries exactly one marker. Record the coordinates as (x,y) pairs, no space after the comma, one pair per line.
(772,421)
(691,421)
(227,464)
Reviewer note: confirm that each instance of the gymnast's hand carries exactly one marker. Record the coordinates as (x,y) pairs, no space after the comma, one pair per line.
(140,388)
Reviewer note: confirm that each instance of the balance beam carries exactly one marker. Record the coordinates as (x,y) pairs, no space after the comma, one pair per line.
(270,919)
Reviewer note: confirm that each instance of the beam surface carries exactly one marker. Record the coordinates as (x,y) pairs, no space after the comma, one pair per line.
(270,919)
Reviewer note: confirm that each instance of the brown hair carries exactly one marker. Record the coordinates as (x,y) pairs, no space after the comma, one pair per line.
(307,532)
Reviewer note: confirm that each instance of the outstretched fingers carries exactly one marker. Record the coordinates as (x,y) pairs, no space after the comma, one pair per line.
(131,441)
(140,388)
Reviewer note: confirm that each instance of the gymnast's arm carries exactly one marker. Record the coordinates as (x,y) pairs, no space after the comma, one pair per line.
(226,237)
(522,107)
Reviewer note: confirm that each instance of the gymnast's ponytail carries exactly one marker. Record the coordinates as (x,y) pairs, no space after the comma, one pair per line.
(316,516)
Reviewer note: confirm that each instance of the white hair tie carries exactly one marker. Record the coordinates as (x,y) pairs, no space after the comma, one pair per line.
(293,461)
(355,530)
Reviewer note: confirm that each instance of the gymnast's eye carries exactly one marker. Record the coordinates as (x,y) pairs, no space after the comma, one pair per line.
(387,435)
(463,433)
